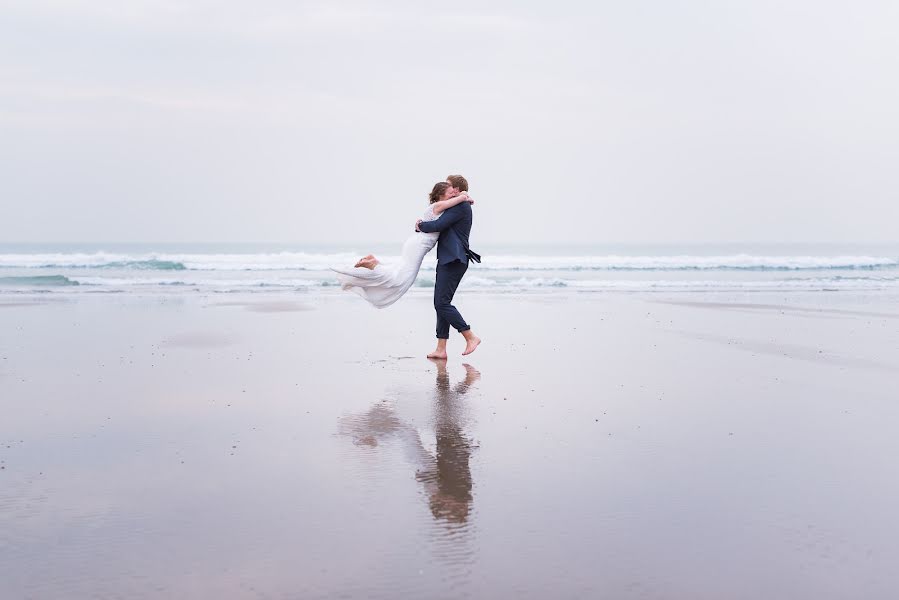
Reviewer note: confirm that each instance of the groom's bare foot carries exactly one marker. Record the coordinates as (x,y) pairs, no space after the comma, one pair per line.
(439,352)
(471,343)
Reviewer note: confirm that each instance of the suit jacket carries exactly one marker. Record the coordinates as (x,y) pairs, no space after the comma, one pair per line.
(454,226)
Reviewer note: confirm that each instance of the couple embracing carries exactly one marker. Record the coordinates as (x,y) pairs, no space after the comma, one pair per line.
(446,224)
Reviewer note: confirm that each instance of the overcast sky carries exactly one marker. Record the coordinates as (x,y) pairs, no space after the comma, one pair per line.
(627,121)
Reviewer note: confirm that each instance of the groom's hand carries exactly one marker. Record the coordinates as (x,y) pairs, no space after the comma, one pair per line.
(416,225)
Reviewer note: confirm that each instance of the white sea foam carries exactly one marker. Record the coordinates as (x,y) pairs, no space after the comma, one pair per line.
(162,261)
(185,272)
(477,282)
(200,282)
(685,262)
(811,284)
(309,261)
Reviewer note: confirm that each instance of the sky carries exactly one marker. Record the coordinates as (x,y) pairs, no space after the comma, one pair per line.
(577,122)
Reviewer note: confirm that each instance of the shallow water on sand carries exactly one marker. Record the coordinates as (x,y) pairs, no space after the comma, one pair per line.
(593,447)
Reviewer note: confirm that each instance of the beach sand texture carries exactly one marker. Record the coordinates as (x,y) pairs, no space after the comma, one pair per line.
(596,446)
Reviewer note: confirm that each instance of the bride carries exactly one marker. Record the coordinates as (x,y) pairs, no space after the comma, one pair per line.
(382,284)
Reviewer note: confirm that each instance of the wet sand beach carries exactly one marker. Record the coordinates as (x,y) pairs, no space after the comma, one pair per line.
(596,445)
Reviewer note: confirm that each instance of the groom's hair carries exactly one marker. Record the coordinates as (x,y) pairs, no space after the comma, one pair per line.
(458,182)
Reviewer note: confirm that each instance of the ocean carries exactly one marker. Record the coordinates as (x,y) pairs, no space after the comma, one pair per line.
(132,268)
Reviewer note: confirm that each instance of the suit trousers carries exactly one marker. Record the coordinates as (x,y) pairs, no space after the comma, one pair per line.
(448,277)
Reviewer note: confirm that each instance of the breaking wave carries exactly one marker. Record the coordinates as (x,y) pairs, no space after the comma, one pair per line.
(305,261)
(38,281)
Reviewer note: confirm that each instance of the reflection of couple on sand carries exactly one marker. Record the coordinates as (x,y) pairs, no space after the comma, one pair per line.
(446,223)
(444,475)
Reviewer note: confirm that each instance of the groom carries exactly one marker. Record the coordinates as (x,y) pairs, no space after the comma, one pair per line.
(453,253)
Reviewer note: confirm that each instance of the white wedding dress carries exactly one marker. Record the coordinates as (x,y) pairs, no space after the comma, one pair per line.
(386,283)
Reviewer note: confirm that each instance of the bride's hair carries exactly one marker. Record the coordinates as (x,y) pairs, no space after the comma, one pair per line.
(438,190)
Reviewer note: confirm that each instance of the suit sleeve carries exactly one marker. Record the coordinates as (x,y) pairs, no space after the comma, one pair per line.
(449,217)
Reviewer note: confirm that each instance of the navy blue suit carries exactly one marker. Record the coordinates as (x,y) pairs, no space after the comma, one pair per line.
(454,226)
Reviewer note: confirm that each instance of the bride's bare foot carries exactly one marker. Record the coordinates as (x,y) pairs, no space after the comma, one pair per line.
(368,263)
(471,343)
(365,260)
